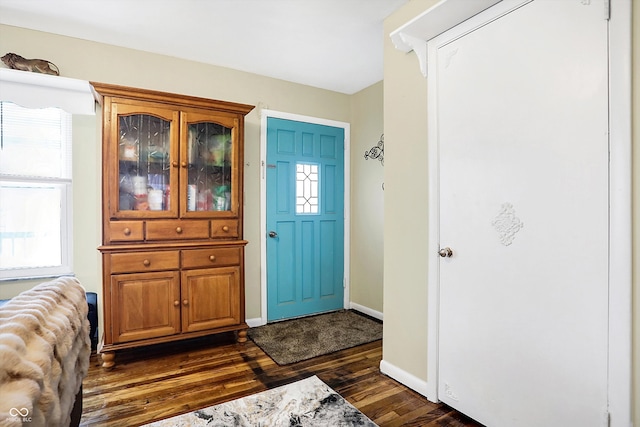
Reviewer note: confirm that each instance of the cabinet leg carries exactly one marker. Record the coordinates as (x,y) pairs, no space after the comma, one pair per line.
(242,336)
(108,360)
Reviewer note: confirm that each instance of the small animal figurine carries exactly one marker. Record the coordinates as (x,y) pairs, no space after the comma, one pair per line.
(17,62)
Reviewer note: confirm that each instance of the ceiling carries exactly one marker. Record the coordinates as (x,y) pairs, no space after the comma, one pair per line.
(330,44)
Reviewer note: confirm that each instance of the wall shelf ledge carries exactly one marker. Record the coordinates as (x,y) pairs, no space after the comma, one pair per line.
(414,35)
(35,90)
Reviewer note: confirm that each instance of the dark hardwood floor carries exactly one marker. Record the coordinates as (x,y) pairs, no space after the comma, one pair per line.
(162,381)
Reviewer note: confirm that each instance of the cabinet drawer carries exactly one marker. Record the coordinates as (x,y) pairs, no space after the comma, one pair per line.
(221,229)
(126,231)
(144,261)
(174,229)
(214,257)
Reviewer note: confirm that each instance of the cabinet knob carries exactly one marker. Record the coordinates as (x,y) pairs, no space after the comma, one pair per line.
(183,164)
(212,257)
(178,230)
(176,303)
(146,263)
(127,231)
(185,302)
(225,228)
(174,164)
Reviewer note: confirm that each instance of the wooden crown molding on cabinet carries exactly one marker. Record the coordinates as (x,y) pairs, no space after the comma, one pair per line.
(188,101)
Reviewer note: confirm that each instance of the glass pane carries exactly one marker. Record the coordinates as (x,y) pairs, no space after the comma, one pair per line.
(144,144)
(30,225)
(306,188)
(210,157)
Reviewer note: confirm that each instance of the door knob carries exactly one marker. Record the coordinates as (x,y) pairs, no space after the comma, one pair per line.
(273,234)
(445,252)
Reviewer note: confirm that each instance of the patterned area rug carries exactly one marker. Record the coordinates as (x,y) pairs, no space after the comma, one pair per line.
(295,340)
(308,402)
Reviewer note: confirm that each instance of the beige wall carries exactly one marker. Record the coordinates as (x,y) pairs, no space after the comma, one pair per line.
(367,197)
(405,203)
(109,64)
(636,211)
(405,232)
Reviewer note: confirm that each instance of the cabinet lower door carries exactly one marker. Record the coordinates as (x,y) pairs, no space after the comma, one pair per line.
(210,298)
(145,305)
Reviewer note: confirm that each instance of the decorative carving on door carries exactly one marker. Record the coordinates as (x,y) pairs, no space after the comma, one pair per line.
(449,392)
(507,224)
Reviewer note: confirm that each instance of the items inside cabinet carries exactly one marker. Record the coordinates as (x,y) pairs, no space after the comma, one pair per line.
(210,160)
(143,162)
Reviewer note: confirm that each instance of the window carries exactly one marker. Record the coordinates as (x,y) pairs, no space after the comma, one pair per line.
(35,192)
(307,188)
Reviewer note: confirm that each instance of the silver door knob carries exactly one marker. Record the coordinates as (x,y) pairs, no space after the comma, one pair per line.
(445,252)
(273,234)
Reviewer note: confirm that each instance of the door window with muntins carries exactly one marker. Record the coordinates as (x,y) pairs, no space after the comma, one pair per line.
(307,181)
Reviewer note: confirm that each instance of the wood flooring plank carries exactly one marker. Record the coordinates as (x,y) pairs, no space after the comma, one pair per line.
(162,381)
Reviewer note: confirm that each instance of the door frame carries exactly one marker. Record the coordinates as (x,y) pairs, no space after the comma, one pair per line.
(264,115)
(620,213)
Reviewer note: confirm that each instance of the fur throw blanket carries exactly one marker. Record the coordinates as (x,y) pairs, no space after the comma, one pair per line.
(44,353)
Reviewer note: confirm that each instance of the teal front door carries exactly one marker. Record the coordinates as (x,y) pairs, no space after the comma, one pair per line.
(305,218)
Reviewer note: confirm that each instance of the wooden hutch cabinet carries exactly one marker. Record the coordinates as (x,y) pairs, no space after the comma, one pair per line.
(172,252)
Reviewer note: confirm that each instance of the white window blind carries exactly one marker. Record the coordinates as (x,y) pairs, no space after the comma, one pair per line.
(35,142)
(35,191)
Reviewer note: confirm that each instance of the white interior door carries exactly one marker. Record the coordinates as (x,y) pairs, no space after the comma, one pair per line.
(523,144)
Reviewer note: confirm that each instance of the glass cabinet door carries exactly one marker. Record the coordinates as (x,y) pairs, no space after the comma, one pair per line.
(145,173)
(211,174)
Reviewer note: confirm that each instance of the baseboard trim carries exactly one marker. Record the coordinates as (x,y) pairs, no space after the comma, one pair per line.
(255,322)
(259,321)
(366,310)
(404,377)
